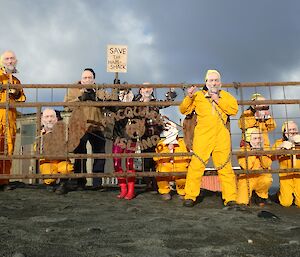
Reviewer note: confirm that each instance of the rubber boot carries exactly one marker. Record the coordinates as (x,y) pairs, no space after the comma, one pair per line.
(130,182)
(62,188)
(123,188)
(118,168)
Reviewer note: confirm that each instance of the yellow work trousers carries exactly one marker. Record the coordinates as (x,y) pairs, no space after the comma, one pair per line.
(258,183)
(289,186)
(217,146)
(5,165)
(55,167)
(194,176)
(163,182)
(164,186)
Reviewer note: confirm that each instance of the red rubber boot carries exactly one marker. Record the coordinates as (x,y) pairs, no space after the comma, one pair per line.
(118,168)
(130,182)
(123,188)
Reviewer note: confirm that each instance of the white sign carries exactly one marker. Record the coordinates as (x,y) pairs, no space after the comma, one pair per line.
(116,58)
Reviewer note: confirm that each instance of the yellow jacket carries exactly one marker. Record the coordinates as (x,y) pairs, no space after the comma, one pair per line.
(12,114)
(207,117)
(210,130)
(286,161)
(178,163)
(254,162)
(247,120)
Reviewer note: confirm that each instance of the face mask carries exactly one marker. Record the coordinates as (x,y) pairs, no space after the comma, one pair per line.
(49,122)
(256,144)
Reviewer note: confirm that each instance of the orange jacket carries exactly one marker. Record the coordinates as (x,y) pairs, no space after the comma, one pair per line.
(254,162)
(20,97)
(286,161)
(178,163)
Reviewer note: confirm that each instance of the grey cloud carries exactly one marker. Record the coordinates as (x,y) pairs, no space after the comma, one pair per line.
(168,41)
(248,41)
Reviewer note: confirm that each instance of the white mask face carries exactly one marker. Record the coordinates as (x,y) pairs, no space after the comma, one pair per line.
(87,78)
(9,62)
(49,119)
(291,130)
(256,141)
(213,83)
(146,93)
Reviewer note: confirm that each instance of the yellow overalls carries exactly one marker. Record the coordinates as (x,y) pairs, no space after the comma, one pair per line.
(8,131)
(167,164)
(211,137)
(260,183)
(289,182)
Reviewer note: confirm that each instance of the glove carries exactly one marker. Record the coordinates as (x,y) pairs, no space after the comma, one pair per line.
(286,145)
(88,95)
(296,139)
(262,115)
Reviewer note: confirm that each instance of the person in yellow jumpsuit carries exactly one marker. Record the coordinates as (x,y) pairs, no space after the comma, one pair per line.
(260,183)
(257,116)
(8,116)
(211,137)
(289,183)
(48,120)
(171,144)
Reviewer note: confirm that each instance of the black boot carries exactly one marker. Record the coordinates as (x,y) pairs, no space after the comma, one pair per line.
(188,203)
(62,188)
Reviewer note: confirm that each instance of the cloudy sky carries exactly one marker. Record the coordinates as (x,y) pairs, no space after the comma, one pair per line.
(169,41)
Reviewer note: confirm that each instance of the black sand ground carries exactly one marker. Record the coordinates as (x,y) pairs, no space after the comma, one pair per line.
(35,222)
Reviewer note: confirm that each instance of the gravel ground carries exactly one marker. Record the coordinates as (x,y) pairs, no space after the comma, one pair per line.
(35,222)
